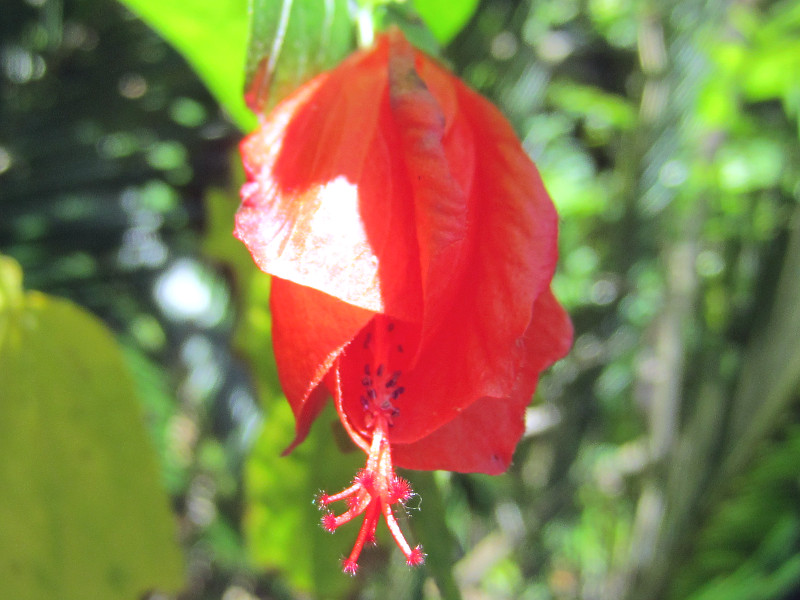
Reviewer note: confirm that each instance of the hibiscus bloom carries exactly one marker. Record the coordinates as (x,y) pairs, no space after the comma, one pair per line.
(412,245)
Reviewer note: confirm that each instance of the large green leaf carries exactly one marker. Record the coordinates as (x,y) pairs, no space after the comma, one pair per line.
(82,513)
(445,18)
(290,42)
(212,35)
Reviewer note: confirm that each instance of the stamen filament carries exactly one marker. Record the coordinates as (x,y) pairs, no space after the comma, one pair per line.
(394,529)
(326,499)
(366,533)
(374,490)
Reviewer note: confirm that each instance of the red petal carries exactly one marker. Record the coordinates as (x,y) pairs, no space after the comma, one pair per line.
(482,438)
(326,205)
(303,354)
(483,289)
(440,174)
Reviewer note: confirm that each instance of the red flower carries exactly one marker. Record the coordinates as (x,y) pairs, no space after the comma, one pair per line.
(412,245)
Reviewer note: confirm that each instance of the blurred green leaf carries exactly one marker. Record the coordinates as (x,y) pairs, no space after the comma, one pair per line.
(773,57)
(82,513)
(445,18)
(756,164)
(771,373)
(615,20)
(388,14)
(600,109)
(218,242)
(743,542)
(290,42)
(770,573)
(212,35)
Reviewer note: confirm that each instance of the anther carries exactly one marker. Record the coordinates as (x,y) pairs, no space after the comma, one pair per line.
(393,381)
(399,490)
(379,372)
(365,479)
(329,522)
(366,369)
(366,381)
(390,326)
(367,340)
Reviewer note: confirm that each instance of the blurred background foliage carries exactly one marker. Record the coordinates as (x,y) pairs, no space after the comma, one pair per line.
(661,458)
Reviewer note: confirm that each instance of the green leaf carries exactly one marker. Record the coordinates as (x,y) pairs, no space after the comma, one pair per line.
(290,42)
(82,513)
(445,18)
(283,524)
(770,375)
(601,108)
(212,36)
(414,28)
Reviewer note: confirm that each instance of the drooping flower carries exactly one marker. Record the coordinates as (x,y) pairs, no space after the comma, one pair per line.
(412,245)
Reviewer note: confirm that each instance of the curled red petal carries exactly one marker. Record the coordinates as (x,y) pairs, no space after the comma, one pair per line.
(326,203)
(482,438)
(482,292)
(440,182)
(305,355)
